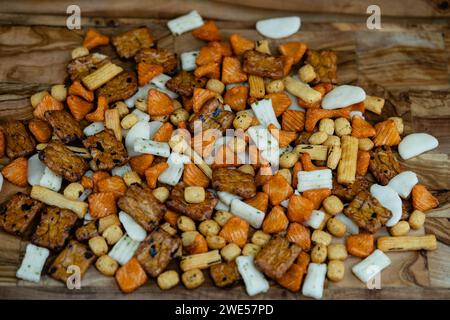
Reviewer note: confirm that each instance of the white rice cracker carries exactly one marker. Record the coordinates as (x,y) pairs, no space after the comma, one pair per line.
(247,212)
(403,183)
(277,28)
(173,173)
(133,229)
(156,148)
(316,219)
(32,263)
(316,179)
(185,23)
(35,170)
(343,96)
(124,250)
(415,144)
(314,280)
(370,266)
(93,128)
(389,199)
(352,228)
(120,171)
(253,278)
(263,110)
(140,130)
(188,60)
(51,180)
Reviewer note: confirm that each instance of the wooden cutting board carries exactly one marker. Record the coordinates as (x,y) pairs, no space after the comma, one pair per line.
(407,62)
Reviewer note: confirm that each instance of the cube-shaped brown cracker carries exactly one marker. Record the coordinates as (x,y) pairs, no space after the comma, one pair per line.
(120,87)
(224,274)
(196,211)
(74,254)
(127,44)
(54,228)
(141,204)
(63,161)
(276,257)
(367,212)
(64,125)
(156,251)
(19,142)
(21,214)
(383,164)
(107,152)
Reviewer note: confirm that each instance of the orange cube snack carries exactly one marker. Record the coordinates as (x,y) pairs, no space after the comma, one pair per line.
(102,204)
(131,276)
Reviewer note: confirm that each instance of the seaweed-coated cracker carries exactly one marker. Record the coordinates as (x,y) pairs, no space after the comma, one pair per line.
(64,125)
(224,274)
(156,251)
(276,257)
(54,228)
(127,44)
(235,182)
(212,115)
(348,193)
(74,254)
(367,212)
(107,152)
(63,161)
(19,142)
(121,87)
(383,164)
(184,83)
(142,206)
(32,264)
(82,66)
(20,214)
(196,211)
(87,231)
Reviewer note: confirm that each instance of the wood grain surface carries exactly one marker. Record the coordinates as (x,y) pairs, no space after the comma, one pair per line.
(407,62)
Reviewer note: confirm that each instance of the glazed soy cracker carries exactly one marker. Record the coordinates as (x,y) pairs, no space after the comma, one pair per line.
(117,167)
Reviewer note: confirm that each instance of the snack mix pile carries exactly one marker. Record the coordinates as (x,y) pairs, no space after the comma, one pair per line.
(237,162)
